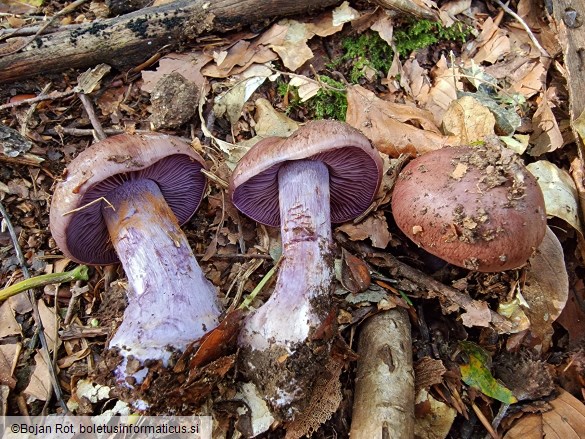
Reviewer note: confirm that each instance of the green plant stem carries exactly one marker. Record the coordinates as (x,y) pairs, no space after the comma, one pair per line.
(248,301)
(79,273)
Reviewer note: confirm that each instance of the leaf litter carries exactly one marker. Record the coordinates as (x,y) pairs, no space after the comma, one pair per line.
(450,94)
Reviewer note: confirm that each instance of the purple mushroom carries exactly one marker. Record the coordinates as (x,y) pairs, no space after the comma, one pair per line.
(325,172)
(123,200)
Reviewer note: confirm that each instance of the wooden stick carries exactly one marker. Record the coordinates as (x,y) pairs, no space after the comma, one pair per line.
(383,405)
(129,39)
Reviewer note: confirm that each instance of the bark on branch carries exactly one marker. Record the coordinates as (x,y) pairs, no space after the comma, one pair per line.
(132,38)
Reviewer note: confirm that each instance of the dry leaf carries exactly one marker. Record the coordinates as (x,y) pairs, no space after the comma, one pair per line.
(436,420)
(39,386)
(50,323)
(355,275)
(384,27)
(547,286)
(450,9)
(344,13)
(566,420)
(325,399)
(528,79)
(546,136)
(187,64)
(477,314)
(8,359)
(495,48)
(468,121)
(68,360)
(418,80)
(444,89)
(270,122)
(307,88)
(560,193)
(293,50)
(232,101)
(377,119)
(374,227)
(8,323)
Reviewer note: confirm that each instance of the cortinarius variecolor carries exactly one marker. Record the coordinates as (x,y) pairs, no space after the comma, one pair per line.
(474,207)
(123,199)
(325,172)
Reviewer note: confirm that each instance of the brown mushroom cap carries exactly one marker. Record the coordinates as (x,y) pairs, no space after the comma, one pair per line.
(477,208)
(176,168)
(355,170)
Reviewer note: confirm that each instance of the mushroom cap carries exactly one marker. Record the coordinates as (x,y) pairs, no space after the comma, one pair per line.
(477,208)
(355,170)
(83,235)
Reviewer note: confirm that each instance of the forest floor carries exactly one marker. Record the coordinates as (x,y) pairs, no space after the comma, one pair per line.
(476,74)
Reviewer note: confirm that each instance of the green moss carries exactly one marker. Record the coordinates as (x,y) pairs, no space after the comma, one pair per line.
(329,103)
(370,51)
(424,33)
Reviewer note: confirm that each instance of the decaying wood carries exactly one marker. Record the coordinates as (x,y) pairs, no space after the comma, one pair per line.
(383,404)
(570,18)
(428,284)
(132,38)
(408,7)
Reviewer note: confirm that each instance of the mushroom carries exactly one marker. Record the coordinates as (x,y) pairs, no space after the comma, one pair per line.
(123,199)
(325,172)
(475,207)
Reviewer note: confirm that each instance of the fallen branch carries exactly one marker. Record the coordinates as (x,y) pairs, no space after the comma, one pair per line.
(383,405)
(130,39)
(426,282)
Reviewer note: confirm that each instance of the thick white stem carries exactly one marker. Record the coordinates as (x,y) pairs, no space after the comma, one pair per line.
(300,302)
(170,302)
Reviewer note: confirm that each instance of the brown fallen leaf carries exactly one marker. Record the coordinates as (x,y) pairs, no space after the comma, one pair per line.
(355,275)
(8,323)
(468,120)
(477,314)
(546,136)
(50,323)
(561,197)
(380,121)
(446,82)
(547,287)
(243,54)
(213,345)
(8,358)
(566,420)
(189,65)
(39,386)
(374,227)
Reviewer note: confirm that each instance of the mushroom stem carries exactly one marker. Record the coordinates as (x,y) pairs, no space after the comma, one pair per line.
(277,338)
(170,302)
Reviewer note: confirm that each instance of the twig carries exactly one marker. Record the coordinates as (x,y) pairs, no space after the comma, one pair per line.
(85,206)
(426,282)
(30,112)
(32,30)
(36,315)
(65,10)
(484,421)
(220,181)
(306,78)
(525,26)
(39,98)
(99,133)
